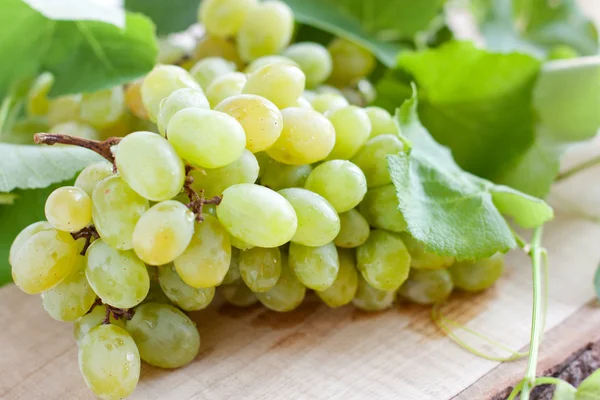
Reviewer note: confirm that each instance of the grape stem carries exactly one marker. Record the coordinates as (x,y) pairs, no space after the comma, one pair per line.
(578,168)
(197,201)
(88,233)
(117,313)
(101,147)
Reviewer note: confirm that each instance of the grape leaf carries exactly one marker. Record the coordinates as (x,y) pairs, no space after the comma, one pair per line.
(169,16)
(72,10)
(589,388)
(451,211)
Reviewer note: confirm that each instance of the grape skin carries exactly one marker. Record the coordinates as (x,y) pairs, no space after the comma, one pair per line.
(68,209)
(37,98)
(225,86)
(186,297)
(343,289)
(260,268)
(314,60)
(350,62)
(372,160)
(176,101)
(427,286)
(328,102)
(368,298)
(238,294)
(91,175)
(266,60)
(211,46)
(380,208)
(279,176)
(354,230)
(103,108)
(287,293)
(475,276)
(24,236)
(233,273)
(280,83)
(315,267)
(223,18)
(381,121)
(92,319)
(422,259)
(352,129)
(208,69)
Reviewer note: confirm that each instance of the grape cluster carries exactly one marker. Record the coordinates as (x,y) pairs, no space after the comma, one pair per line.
(257,185)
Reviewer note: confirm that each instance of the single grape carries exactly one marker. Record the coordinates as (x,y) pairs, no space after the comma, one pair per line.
(238,294)
(24,236)
(224,17)
(225,86)
(427,286)
(315,267)
(302,102)
(372,160)
(368,298)
(354,229)
(206,260)
(233,273)
(340,182)
(155,293)
(350,62)
(91,320)
(239,243)
(314,60)
(307,137)
(267,60)
(75,128)
(91,175)
(37,98)
(257,215)
(176,101)
(279,176)
(383,260)
(474,276)
(343,289)
(104,107)
(287,293)
(109,361)
(216,47)
(133,99)
(68,209)
(322,89)
(208,69)
(44,260)
(381,121)
(116,209)
(150,166)
(206,138)
(360,92)
(170,51)
(118,277)
(352,129)
(166,337)
(423,259)
(186,297)
(280,83)
(263,161)
(64,109)
(380,208)
(260,268)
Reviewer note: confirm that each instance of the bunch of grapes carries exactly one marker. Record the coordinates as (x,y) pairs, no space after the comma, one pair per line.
(256,185)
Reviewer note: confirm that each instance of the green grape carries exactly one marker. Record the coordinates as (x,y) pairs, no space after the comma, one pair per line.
(72,297)
(343,289)
(104,107)
(75,128)
(225,86)
(267,60)
(315,267)
(322,89)
(37,98)
(216,47)
(287,293)
(383,260)
(280,83)
(233,273)
(133,99)
(160,83)
(360,93)
(206,138)
(302,102)
(169,51)
(186,297)
(267,29)
(68,209)
(257,215)
(263,161)
(91,320)
(91,175)
(368,298)
(208,69)
(352,129)
(155,293)
(116,209)
(427,286)
(118,277)
(318,222)
(163,232)
(350,62)
(22,130)
(215,181)
(314,60)
(381,121)
(261,119)
(239,243)
(380,208)
(474,276)
(354,230)
(24,236)
(109,361)
(238,294)
(150,165)
(178,100)
(224,17)
(372,160)
(64,109)
(307,137)
(279,176)
(166,337)
(340,182)
(206,260)
(260,268)
(422,259)
(44,260)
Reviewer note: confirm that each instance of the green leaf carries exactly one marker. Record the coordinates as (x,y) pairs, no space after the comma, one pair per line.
(84,10)
(564,391)
(8,198)
(169,16)
(597,282)
(589,388)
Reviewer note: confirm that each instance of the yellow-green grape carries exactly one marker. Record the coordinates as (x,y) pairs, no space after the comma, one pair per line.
(328,102)
(44,260)
(315,267)
(360,93)
(68,209)
(368,298)
(238,294)
(160,83)
(321,89)
(423,259)
(340,182)
(178,100)
(260,268)
(427,287)
(239,243)
(22,130)
(163,232)
(302,103)
(37,98)
(307,137)
(263,161)
(119,278)
(109,361)
(215,181)
(206,138)
(64,109)
(116,209)
(343,289)
(206,260)
(91,175)
(225,86)
(352,129)
(233,273)
(208,69)
(280,83)
(75,128)
(169,51)
(186,297)
(372,160)
(24,236)
(224,17)
(216,47)
(314,60)
(350,62)
(91,320)
(380,208)
(150,165)
(261,119)
(318,222)
(133,99)
(257,215)
(267,29)
(354,230)
(381,121)
(104,107)
(383,260)
(266,60)
(279,176)
(474,276)
(155,293)
(287,293)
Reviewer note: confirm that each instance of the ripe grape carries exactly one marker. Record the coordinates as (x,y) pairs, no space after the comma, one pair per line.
(24,236)
(233,273)
(267,60)
(427,286)
(75,128)
(91,175)
(64,109)
(170,51)
(279,176)
(383,260)
(328,102)
(224,17)
(155,293)
(380,208)
(354,230)
(68,209)
(314,60)
(280,83)
(208,69)
(37,98)
(176,101)
(381,121)
(301,102)
(343,289)
(92,319)
(239,243)
(186,297)
(215,181)
(216,47)
(372,158)
(133,99)
(225,86)
(350,62)
(315,267)
(474,276)
(368,298)
(104,107)
(287,293)
(352,129)
(260,268)
(238,294)
(423,259)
